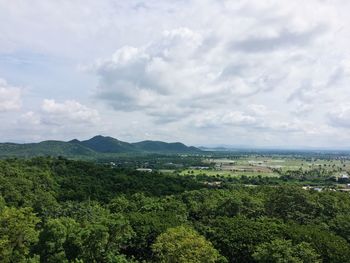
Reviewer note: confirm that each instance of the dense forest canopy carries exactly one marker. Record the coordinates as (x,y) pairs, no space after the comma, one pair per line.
(59,210)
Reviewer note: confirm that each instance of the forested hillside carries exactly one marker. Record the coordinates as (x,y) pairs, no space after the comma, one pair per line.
(98,147)
(58,210)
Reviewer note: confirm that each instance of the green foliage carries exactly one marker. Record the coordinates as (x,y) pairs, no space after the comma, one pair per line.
(2,203)
(183,244)
(17,234)
(59,210)
(211,203)
(95,148)
(28,184)
(283,251)
(331,247)
(106,145)
(51,148)
(82,180)
(149,217)
(98,240)
(237,237)
(341,226)
(157,146)
(291,203)
(60,240)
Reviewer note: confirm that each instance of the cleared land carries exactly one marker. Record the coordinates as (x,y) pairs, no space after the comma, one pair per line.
(263,166)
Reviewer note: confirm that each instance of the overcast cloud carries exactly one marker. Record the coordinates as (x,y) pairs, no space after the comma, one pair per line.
(205,72)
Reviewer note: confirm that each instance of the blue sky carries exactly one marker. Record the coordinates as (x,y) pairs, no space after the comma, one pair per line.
(205,72)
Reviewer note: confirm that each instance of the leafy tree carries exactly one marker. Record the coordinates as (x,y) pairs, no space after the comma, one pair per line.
(2,203)
(26,184)
(331,247)
(60,240)
(94,235)
(183,244)
(206,203)
(212,203)
(283,251)
(341,226)
(147,227)
(237,237)
(291,203)
(17,234)
(121,204)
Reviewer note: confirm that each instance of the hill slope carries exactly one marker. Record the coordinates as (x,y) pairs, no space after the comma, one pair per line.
(158,146)
(107,144)
(98,146)
(52,148)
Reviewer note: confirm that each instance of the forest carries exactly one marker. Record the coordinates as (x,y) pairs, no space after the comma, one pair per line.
(60,210)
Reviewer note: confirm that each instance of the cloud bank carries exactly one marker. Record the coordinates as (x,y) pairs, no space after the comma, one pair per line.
(238,72)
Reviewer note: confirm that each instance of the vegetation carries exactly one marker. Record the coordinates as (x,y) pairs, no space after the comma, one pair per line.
(60,210)
(98,147)
(183,244)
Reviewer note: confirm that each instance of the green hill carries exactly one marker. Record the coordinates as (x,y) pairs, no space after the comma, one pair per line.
(96,147)
(107,144)
(158,146)
(52,148)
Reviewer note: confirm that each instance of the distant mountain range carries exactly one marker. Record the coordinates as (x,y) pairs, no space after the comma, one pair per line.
(98,146)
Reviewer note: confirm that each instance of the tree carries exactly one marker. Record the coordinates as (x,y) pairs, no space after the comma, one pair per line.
(291,203)
(60,240)
(104,238)
(341,226)
(65,240)
(283,251)
(183,244)
(2,203)
(147,227)
(17,234)
(331,247)
(237,237)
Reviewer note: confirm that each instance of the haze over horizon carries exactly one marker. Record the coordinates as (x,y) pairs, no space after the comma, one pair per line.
(202,72)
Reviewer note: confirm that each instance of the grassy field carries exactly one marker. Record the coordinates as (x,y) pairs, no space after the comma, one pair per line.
(226,173)
(281,163)
(260,165)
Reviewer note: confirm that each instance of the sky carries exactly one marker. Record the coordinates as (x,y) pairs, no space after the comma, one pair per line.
(273,73)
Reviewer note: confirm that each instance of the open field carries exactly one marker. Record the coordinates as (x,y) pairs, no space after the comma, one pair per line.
(227,173)
(260,163)
(265,166)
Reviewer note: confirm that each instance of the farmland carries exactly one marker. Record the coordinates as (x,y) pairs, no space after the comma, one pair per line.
(265,166)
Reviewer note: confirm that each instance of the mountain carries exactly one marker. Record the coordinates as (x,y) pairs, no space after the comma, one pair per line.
(52,148)
(157,146)
(96,147)
(107,144)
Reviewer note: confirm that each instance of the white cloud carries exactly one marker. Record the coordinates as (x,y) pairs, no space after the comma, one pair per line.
(29,118)
(53,121)
(340,117)
(68,113)
(264,69)
(234,118)
(173,71)
(258,109)
(259,66)
(10,97)
(182,71)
